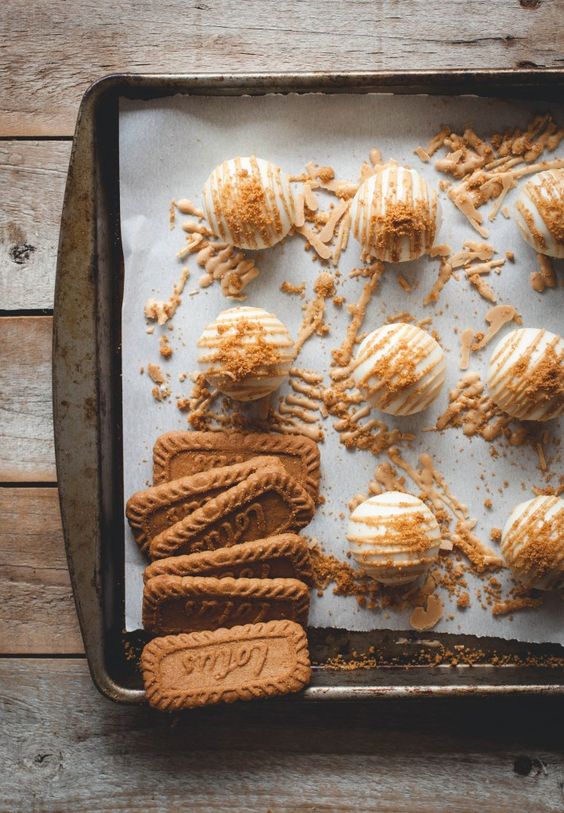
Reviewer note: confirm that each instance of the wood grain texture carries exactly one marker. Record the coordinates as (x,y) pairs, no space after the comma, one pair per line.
(65,749)
(26,425)
(32,182)
(37,614)
(53,49)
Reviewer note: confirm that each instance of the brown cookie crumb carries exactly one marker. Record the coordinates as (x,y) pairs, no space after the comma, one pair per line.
(164,347)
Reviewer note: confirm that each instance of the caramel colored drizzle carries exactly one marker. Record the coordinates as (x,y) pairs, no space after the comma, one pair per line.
(342,355)
(395,211)
(246,206)
(544,195)
(160,311)
(545,277)
(531,388)
(186,207)
(391,377)
(466,338)
(434,488)
(487,171)
(534,544)
(496,318)
(313,240)
(470,409)
(314,311)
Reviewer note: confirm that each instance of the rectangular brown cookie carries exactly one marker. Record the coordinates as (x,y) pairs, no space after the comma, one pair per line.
(178,454)
(277,557)
(243,663)
(174,604)
(267,503)
(151,511)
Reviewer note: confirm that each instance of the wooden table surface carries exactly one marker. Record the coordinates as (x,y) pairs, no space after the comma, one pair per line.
(62,746)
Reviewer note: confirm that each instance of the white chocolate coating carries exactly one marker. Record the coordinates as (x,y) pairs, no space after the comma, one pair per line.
(249,202)
(394,537)
(395,215)
(526,374)
(249,331)
(400,368)
(539,212)
(532,542)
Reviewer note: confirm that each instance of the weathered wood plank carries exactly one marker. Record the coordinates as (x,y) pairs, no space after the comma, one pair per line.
(65,749)
(37,614)
(32,182)
(26,426)
(41,94)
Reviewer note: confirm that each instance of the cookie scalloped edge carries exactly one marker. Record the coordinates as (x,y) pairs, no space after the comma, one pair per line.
(300,513)
(142,503)
(288,546)
(296,678)
(164,588)
(170,444)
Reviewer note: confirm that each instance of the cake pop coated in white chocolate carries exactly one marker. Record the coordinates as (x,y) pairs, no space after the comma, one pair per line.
(249,203)
(246,353)
(532,542)
(526,374)
(395,215)
(539,212)
(399,368)
(394,537)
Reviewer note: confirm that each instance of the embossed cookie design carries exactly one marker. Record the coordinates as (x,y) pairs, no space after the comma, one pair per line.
(174,604)
(285,556)
(151,511)
(180,454)
(267,503)
(243,663)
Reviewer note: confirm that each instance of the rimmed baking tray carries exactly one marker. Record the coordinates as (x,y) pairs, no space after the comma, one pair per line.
(87,404)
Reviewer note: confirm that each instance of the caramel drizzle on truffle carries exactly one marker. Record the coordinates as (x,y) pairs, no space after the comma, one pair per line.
(395,375)
(246,206)
(534,388)
(546,197)
(535,542)
(435,490)
(405,214)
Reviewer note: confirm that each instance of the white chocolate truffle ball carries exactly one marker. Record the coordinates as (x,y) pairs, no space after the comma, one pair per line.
(532,542)
(395,215)
(394,537)
(539,212)
(249,203)
(246,353)
(526,374)
(399,368)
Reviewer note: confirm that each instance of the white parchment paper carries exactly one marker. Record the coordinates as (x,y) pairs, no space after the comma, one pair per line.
(167,149)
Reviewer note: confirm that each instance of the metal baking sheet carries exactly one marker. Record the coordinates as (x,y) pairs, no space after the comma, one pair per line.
(87,393)
(178,141)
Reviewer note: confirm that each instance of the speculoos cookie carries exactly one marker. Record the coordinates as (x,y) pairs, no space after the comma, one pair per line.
(153,510)
(267,503)
(284,556)
(242,663)
(173,604)
(180,454)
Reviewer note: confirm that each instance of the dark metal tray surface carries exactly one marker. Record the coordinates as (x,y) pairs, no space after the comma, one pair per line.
(87,401)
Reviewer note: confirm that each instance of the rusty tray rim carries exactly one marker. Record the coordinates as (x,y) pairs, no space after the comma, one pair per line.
(81,405)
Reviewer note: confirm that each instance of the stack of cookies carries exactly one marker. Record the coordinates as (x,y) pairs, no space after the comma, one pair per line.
(228,583)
